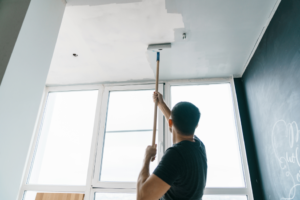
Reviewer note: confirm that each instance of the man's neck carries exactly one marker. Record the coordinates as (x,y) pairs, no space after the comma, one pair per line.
(179,137)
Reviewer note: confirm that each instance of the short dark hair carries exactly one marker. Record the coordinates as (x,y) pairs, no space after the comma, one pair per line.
(185,116)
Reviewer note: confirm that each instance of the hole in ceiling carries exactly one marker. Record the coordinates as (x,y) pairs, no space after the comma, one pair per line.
(75,55)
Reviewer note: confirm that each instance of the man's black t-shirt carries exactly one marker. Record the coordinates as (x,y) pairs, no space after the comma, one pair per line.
(184,168)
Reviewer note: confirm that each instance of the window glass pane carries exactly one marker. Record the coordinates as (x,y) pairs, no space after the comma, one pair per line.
(217,130)
(130,110)
(128,133)
(115,196)
(123,155)
(128,196)
(65,139)
(29,195)
(224,197)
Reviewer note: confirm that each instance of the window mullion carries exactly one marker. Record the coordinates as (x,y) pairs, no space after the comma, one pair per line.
(100,140)
(167,134)
(93,151)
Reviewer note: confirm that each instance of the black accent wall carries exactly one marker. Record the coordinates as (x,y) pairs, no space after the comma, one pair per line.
(12,14)
(269,102)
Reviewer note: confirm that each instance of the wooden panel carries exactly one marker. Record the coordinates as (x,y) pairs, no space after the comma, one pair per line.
(59,196)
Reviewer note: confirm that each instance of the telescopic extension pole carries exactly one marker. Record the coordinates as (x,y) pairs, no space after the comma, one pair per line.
(156,102)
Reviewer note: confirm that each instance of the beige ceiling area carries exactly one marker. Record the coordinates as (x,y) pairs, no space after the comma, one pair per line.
(111,37)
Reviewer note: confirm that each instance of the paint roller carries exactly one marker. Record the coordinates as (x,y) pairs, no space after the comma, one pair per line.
(157,48)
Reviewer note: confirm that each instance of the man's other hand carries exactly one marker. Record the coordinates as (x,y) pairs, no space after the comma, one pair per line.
(158,97)
(150,153)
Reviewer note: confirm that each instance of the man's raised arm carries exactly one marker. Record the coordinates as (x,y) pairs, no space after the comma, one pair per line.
(162,105)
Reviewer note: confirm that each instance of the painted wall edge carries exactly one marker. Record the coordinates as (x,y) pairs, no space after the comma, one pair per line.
(251,153)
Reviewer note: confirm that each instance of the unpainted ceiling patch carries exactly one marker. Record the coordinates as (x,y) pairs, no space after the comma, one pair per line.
(111,40)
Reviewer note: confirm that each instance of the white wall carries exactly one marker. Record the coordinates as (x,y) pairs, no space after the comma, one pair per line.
(22,88)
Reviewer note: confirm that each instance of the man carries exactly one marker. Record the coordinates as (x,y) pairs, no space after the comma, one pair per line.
(182,172)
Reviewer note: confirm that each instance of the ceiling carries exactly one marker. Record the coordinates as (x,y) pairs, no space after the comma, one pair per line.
(111,39)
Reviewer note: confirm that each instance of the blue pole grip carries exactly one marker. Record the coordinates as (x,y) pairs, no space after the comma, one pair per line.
(157,56)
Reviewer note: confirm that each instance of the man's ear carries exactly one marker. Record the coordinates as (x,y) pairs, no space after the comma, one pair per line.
(170,123)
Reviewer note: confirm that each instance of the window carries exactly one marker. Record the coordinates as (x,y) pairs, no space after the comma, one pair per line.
(60,156)
(217,130)
(128,195)
(112,196)
(29,195)
(224,197)
(91,139)
(127,131)
(63,150)
(220,132)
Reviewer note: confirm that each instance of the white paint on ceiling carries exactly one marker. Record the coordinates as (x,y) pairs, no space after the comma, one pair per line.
(111,39)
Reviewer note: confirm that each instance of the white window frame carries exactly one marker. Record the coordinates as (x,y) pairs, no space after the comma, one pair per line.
(102,184)
(98,190)
(92,183)
(62,188)
(247,190)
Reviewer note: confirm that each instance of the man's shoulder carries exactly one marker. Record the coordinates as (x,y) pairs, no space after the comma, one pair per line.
(173,150)
(173,153)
